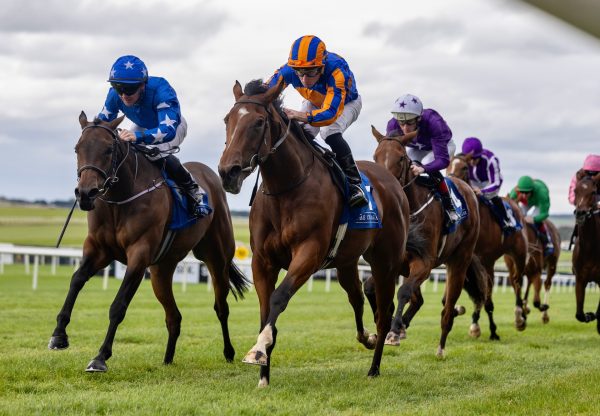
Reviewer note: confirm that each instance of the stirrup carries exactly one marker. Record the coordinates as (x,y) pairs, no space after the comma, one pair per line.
(200,207)
(358,198)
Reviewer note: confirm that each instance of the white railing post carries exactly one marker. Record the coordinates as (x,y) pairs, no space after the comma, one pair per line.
(36,262)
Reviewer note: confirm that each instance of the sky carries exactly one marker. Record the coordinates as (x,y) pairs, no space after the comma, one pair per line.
(523,82)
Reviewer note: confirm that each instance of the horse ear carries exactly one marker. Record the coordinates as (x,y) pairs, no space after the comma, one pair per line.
(580,174)
(408,137)
(468,157)
(237,90)
(378,136)
(83,121)
(115,123)
(274,91)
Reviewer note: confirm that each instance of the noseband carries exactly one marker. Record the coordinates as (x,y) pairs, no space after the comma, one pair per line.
(256,160)
(112,178)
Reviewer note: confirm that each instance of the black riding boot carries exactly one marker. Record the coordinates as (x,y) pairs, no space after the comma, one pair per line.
(198,205)
(499,204)
(343,155)
(547,245)
(453,216)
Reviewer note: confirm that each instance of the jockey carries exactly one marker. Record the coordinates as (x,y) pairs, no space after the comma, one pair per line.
(432,147)
(533,194)
(591,166)
(152,106)
(331,101)
(484,175)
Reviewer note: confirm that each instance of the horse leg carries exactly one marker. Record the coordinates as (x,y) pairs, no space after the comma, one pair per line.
(455,277)
(516,281)
(162,285)
(419,272)
(416,301)
(218,266)
(348,279)
(91,263)
(580,285)
(384,276)
(133,277)
(550,272)
(264,277)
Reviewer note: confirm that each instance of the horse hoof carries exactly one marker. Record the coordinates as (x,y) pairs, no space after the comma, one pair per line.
(58,342)
(371,342)
(494,337)
(460,310)
(96,366)
(475,331)
(373,372)
(392,339)
(256,358)
(521,325)
(263,382)
(544,307)
(545,318)
(440,353)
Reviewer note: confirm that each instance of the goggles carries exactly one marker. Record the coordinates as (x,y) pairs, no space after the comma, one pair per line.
(312,72)
(125,89)
(410,122)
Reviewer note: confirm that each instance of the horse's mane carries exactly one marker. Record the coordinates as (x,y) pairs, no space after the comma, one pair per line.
(257,87)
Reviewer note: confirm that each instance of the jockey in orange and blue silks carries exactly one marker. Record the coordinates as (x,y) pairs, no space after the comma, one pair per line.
(331,101)
(152,106)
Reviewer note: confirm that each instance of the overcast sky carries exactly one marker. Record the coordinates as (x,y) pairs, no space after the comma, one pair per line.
(526,84)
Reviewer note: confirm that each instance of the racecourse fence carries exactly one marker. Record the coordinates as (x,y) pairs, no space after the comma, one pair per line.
(191,270)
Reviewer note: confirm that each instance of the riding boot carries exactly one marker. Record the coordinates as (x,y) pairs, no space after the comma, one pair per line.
(453,216)
(499,204)
(198,200)
(545,238)
(343,155)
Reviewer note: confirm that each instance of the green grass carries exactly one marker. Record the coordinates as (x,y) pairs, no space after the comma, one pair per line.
(318,367)
(30,225)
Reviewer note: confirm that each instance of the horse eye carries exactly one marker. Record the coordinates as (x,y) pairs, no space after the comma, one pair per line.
(108,151)
(259,123)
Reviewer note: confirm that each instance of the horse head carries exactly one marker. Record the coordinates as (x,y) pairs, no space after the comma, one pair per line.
(459,166)
(96,159)
(391,154)
(249,133)
(587,193)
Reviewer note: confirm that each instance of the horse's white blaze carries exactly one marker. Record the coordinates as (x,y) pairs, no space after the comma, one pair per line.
(241,113)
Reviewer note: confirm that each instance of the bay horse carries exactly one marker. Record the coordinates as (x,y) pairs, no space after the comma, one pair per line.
(455,250)
(537,264)
(491,245)
(129,210)
(586,255)
(295,215)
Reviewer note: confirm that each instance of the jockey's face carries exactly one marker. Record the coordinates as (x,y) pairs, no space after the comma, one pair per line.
(130,100)
(309,77)
(410,125)
(474,161)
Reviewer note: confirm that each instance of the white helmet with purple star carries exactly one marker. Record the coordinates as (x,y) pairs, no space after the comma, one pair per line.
(407,107)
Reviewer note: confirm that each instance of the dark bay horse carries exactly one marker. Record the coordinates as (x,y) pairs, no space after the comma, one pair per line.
(586,256)
(537,264)
(455,250)
(491,245)
(129,209)
(295,215)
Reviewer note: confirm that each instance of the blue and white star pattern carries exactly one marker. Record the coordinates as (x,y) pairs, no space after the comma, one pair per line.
(158,106)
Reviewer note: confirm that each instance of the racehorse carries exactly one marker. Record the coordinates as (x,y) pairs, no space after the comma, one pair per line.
(295,215)
(586,256)
(455,250)
(129,210)
(537,264)
(491,245)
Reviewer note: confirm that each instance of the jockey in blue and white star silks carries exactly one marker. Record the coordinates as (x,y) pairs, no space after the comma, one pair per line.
(152,106)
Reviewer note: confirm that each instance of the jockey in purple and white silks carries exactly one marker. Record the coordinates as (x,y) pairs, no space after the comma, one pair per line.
(484,175)
(152,106)
(432,147)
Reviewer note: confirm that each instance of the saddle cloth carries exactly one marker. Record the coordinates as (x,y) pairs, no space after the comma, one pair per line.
(180,215)
(515,225)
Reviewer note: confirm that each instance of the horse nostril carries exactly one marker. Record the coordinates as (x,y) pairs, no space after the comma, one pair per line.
(93,193)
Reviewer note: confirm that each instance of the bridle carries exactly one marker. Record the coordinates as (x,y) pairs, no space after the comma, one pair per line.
(256,160)
(109,178)
(581,216)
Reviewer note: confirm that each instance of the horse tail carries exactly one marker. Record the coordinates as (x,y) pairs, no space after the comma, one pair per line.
(238,282)
(416,243)
(477,281)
